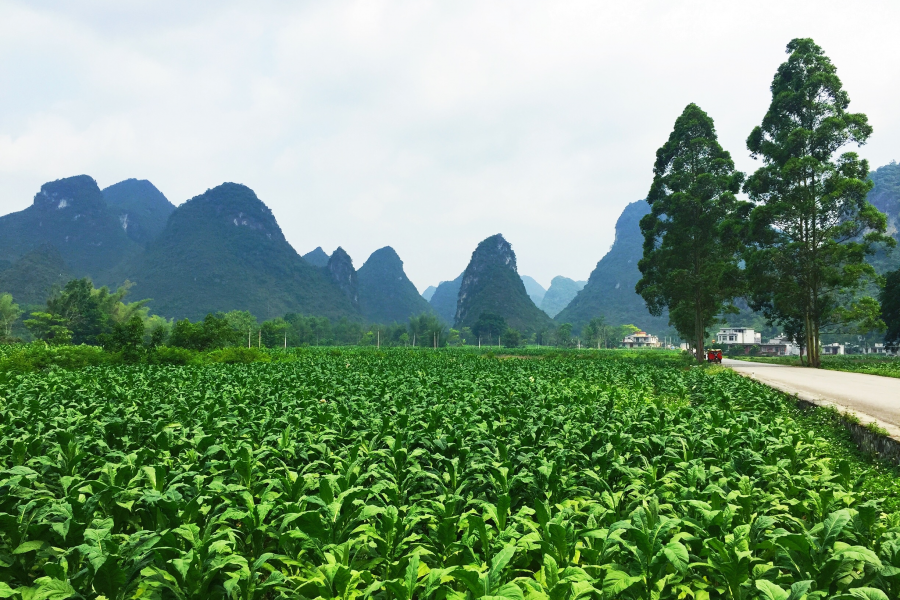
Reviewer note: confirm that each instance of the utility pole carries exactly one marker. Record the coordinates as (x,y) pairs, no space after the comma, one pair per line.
(259,341)
(285,340)
(249,329)
(435,340)
(378,336)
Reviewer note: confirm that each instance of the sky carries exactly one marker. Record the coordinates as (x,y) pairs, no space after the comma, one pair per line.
(426,126)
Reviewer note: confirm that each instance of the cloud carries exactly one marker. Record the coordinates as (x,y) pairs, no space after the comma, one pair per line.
(422,125)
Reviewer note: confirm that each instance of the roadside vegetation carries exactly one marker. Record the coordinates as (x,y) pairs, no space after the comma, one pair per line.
(887,366)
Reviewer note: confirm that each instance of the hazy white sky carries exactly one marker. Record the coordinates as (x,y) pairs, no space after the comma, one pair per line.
(426,126)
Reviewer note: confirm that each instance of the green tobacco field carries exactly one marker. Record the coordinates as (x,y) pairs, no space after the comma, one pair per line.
(434,474)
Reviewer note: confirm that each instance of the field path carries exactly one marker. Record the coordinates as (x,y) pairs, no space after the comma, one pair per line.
(870,397)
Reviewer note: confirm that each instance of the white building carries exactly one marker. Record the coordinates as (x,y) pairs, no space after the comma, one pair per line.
(738,335)
(833,349)
(780,346)
(640,339)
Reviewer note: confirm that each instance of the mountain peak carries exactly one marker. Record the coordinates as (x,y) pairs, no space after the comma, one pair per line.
(386,295)
(317,257)
(72,194)
(141,209)
(491,283)
(340,268)
(609,292)
(223,250)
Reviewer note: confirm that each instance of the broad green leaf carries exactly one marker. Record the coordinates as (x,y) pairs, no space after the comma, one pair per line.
(678,555)
(771,591)
(29,547)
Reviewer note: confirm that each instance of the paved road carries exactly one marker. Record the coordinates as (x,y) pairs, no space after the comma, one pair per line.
(871,397)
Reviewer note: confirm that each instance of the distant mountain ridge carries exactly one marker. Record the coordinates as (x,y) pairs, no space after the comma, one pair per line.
(223,250)
(562,291)
(35,276)
(535,290)
(445,298)
(317,257)
(885,196)
(71,215)
(609,292)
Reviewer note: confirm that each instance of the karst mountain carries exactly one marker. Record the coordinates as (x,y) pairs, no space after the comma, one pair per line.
(491,284)
(386,295)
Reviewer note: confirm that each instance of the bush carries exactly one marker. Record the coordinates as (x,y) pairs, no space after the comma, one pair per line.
(238,354)
(167,355)
(42,357)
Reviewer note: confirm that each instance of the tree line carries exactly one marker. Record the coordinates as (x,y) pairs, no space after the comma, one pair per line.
(79,313)
(796,249)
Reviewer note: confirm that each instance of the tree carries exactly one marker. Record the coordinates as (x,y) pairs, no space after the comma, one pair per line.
(564,335)
(512,338)
(595,332)
(213,332)
(488,326)
(890,309)
(49,328)
(78,309)
(427,330)
(691,255)
(126,338)
(274,333)
(812,226)
(9,312)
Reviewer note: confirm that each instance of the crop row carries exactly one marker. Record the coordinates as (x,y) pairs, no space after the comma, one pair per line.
(412,474)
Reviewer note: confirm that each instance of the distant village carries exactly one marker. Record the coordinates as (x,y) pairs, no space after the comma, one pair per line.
(737,340)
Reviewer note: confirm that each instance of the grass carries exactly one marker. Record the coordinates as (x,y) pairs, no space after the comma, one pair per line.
(886,366)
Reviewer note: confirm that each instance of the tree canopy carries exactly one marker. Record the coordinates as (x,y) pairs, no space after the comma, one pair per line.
(691,243)
(812,226)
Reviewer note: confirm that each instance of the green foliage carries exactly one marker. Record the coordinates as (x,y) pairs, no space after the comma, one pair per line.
(237,355)
(9,312)
(168,355)
(43,357)
(489,326)
(127,339)
(213,332)
(564,335)
(812,227)
(427,330)
(511,338)
(690,264)
(890,309)
(451,476)
(81,314)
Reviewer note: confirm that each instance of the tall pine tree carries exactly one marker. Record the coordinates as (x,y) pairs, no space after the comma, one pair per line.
(812,226)
(691,247)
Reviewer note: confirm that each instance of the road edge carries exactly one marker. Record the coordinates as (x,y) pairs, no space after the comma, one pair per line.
(886,447)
